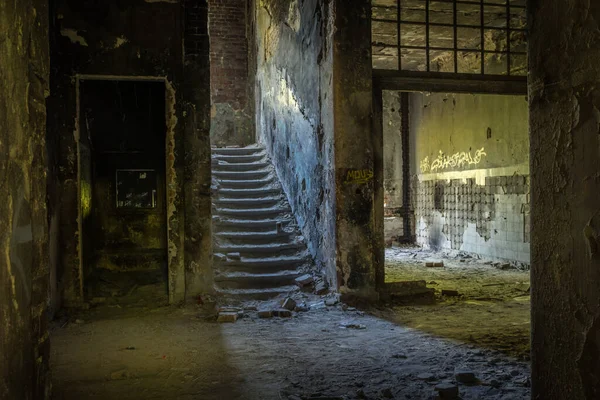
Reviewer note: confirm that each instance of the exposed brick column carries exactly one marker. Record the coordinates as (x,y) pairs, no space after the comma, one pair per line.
(229,83)
(228,52)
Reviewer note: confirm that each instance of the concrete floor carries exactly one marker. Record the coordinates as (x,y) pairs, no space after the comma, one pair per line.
(145,350)
(492,311)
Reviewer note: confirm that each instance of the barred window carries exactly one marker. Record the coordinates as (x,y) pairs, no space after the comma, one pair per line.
(486,37)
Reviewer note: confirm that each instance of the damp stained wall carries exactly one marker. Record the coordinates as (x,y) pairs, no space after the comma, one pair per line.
(393,166)
(471,173)
(24,256)
(294,113)
(359,202)
(392,150)
(138,40)
(564,104)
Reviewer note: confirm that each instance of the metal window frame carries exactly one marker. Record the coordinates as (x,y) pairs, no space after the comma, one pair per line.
(455,49)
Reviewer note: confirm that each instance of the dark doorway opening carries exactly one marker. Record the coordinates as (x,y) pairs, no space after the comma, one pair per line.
(122,189)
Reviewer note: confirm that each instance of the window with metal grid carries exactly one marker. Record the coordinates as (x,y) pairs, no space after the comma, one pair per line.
(486,37)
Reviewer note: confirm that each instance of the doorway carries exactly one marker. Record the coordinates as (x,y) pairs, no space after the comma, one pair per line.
(122,190)
(457,242)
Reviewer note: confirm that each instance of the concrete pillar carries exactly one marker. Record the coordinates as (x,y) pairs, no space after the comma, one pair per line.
(356,238)
(197,169)
(564,96)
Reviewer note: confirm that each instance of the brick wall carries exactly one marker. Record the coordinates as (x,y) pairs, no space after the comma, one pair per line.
(228,52)
(491,219)
(230,86)
(196,28)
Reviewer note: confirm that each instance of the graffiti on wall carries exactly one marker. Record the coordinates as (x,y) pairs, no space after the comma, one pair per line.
(456,160)
(358,176)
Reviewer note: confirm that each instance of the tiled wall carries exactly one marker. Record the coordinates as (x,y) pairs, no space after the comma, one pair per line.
(490,219)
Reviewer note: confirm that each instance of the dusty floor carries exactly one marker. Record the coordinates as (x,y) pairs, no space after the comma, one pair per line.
(144,349)
(492,311)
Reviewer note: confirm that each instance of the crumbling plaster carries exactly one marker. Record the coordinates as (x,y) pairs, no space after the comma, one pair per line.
(471,173)
(321,144)
(564,99)
(359,195)
(24,255)
(147,53)
(294,113)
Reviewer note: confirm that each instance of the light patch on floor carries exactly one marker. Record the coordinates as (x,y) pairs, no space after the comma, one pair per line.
(491,311)
(173,353)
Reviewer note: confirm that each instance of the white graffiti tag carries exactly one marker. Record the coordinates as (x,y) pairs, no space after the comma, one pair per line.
(457,160)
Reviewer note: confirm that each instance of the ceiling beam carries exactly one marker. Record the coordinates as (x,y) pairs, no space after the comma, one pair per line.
(413,81)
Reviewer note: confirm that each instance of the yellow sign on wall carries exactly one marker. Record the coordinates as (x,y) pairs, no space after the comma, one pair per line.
(358,176)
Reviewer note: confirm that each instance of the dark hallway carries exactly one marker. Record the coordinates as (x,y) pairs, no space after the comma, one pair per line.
(123,195)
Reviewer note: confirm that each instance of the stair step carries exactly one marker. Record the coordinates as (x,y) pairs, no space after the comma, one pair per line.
(253,212)
(248,202)
(232,159)
(248,280)
(252,249)
(269,235)
(241,175)
(264,263)
(251,166)
(236,151)
(248,206)
(257,294)
(249,192)
(257,225)
(246,184)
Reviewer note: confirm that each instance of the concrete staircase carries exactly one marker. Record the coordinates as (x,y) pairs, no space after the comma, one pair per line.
(258,249)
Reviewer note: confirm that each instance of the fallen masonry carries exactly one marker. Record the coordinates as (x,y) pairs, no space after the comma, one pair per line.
(289,304)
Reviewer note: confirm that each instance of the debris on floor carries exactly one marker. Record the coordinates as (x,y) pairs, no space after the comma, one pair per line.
(352,325)
(408,292)
(449,292)
(227,316)
(321,287)
(282,313)
(447,391)
(289,304)
(265,314)
(434,264)
(465,376)
(326,353)
(467,289)
(304,280)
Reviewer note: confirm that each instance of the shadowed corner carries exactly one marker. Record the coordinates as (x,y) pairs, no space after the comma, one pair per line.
(134,352)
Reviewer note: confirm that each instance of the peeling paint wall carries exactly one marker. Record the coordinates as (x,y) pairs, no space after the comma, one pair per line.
(137,40)
(564,104)
(394,170)
(471,169)
(392,150)
(24,256)
(294,113)
(314,105)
